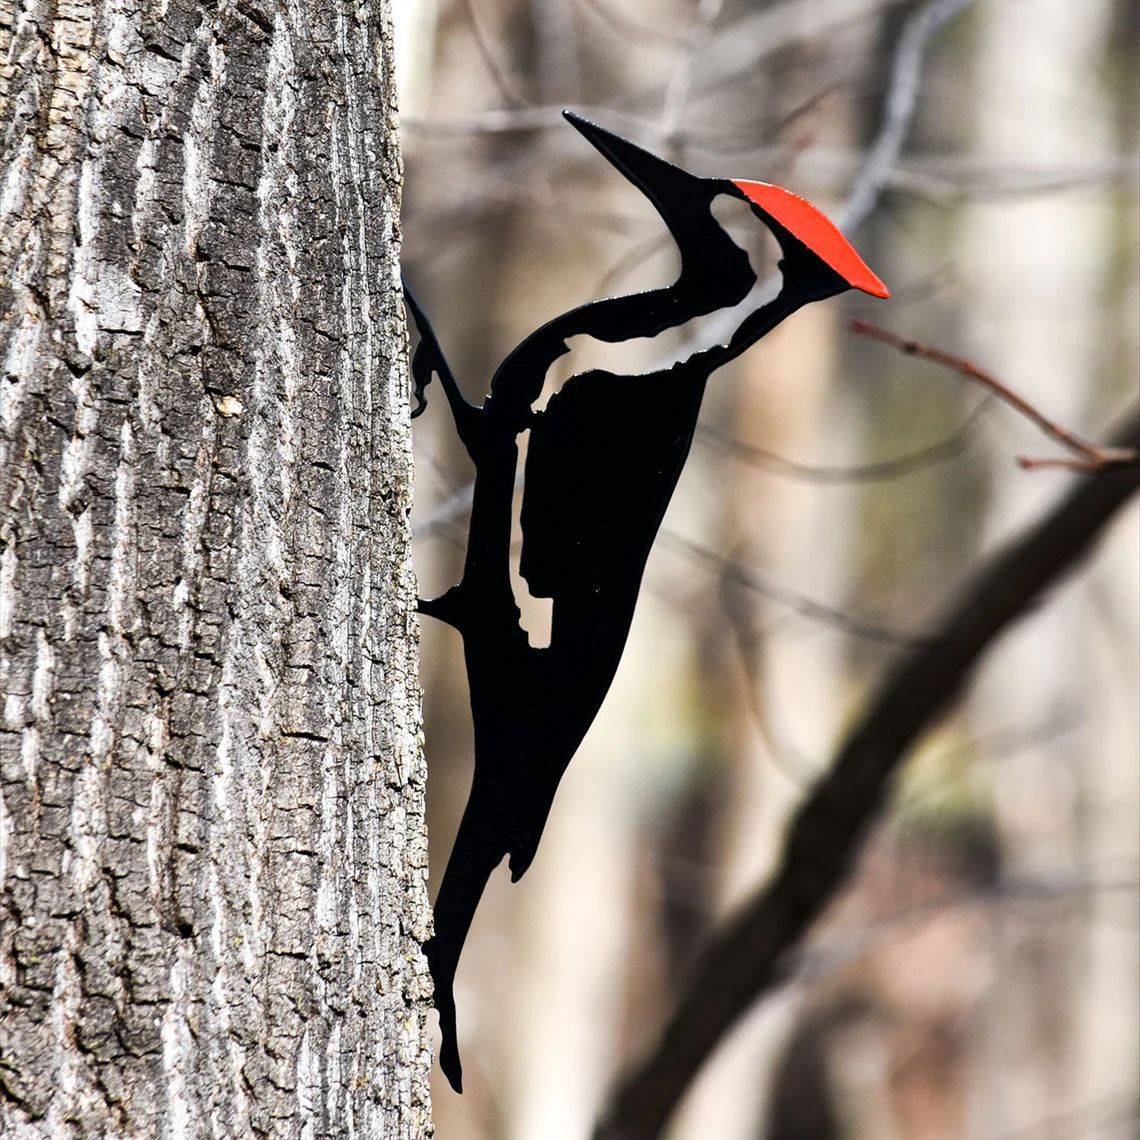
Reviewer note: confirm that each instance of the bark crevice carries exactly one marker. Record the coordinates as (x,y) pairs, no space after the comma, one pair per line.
(212,851)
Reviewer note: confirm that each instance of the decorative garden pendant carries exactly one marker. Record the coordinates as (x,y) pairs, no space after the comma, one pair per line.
(602,462)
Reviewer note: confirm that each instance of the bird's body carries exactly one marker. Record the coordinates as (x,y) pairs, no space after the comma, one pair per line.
(602,462)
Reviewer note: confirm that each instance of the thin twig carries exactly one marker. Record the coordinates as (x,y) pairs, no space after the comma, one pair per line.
(788,759)
(746,43)
(1089,456)
(752,579)
(681,79)
(903,91)
(747,959)
(884,470)
(644,33)
(451,510)
(498,74)
(820,960)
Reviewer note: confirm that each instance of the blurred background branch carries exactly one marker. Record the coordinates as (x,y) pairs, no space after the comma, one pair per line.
(743,960)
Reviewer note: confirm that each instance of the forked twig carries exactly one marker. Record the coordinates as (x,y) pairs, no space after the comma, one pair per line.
(1087,456)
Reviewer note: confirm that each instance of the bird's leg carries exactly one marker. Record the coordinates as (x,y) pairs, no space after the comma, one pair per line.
(449,607)
(429,359)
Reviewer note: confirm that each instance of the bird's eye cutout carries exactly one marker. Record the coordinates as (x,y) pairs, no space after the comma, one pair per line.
(815,229)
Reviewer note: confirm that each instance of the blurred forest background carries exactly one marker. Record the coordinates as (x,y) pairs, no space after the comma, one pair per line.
(977,976)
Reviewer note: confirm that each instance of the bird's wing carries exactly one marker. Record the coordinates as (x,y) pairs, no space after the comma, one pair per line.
(602,463)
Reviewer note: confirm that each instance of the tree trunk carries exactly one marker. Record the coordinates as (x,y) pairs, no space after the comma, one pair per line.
(212,852)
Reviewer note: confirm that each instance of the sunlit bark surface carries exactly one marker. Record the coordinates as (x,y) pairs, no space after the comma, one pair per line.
(211,835)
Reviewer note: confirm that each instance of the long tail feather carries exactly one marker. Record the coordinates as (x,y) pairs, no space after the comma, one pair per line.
(475,855)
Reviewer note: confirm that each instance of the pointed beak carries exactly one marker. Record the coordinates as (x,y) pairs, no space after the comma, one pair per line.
(654,176)
(816,231)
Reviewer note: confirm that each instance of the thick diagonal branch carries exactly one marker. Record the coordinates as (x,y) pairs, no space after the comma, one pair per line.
(745,959)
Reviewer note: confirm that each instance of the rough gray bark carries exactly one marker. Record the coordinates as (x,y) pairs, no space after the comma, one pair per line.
(212,850)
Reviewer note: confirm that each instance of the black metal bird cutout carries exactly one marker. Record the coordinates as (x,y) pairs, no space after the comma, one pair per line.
(602,462)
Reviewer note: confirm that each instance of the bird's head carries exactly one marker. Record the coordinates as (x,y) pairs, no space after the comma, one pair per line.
(818,261)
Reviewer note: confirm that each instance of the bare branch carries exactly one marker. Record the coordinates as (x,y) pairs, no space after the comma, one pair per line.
(827,956)
(752,579)
(1089,456)
(898,111)
(878,472)
(646,34)
(452,509)
(740,46)
(505,85)
(681,80)
(746,959)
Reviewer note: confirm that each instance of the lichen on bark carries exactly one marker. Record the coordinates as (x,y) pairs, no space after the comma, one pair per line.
(212,847)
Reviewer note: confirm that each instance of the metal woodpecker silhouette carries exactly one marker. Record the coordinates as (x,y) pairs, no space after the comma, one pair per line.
(602,462)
